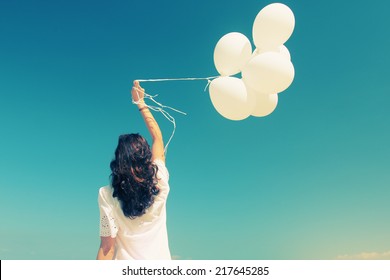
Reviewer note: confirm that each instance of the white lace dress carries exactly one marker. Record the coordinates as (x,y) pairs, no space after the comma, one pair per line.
(142,238)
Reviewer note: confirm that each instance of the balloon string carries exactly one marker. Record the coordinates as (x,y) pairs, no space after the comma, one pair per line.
(208,79)
(159,106)
(177,79)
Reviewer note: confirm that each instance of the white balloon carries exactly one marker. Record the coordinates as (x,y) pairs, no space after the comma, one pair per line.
(230,98)
(265,104)
(231,53)
(268,72)
(285,52)
(273,25)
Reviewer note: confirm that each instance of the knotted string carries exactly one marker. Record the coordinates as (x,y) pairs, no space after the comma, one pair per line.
(159,107)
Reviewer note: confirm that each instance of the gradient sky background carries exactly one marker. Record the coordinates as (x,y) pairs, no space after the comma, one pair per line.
(310,181)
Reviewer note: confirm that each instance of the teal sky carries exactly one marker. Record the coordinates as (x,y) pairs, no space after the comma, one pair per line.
(310,181)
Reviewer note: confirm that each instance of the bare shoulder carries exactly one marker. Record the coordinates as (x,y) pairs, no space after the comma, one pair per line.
(158,152)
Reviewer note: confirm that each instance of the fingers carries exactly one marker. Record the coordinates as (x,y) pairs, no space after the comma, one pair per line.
(137,86)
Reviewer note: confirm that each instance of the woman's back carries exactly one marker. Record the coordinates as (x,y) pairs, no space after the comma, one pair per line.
(144,237)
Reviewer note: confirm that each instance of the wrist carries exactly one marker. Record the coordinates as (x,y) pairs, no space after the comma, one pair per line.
(143,108)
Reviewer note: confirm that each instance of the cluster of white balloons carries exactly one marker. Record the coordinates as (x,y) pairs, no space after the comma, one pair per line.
(265,72)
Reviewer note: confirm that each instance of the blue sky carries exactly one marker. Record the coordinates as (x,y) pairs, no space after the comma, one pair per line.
(310,181)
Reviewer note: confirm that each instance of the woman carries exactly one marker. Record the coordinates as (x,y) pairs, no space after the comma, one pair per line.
(133,207)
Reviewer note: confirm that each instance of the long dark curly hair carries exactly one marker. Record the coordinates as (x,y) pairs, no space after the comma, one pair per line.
(133,175)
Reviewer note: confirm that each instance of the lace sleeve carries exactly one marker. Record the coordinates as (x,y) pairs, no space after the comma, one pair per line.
(108,225)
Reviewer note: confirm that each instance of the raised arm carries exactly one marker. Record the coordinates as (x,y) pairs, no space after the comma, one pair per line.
(158,144)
